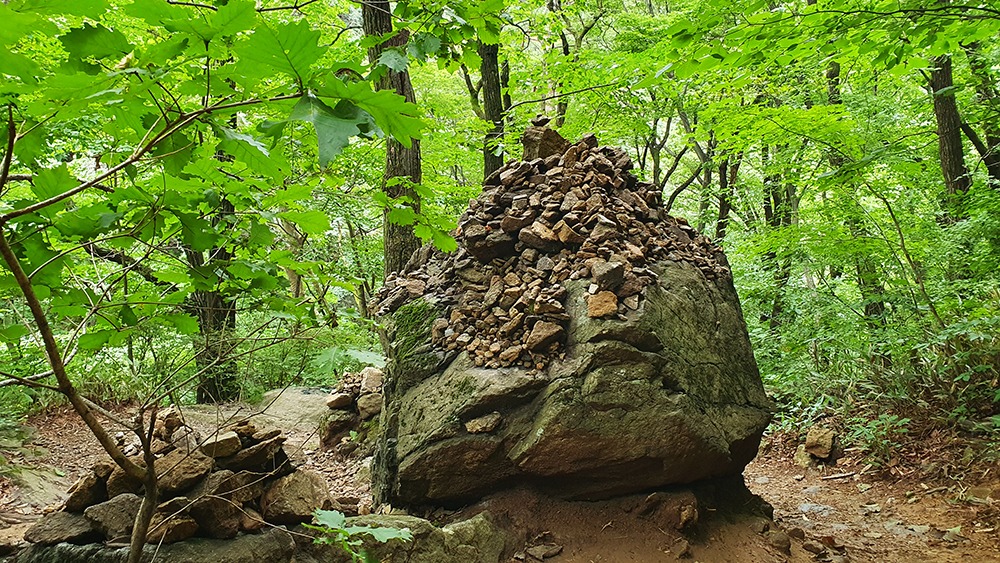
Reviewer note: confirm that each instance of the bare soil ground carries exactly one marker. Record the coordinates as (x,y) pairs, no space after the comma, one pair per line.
(849,512)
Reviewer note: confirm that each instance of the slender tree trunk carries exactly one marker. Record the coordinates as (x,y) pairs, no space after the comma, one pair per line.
(870,284)
(989,98)
(216,314)
(492,108)
(777,214)
(399,242)
(728,171)
(949,129)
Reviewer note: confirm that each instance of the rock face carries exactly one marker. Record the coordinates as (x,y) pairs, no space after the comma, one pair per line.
(607,343)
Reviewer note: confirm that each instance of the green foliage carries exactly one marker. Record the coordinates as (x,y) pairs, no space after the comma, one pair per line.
(879,437)
(332,525)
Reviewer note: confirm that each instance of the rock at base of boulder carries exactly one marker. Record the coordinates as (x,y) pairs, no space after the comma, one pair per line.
(180,470)
(339,400)
(273,546)
(369,405)
(167,528)
(59,527)
(476,540)
(88,491)
(293,498)
(115,517)
(223,445)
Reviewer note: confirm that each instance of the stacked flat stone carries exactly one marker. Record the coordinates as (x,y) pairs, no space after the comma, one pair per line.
(578,213)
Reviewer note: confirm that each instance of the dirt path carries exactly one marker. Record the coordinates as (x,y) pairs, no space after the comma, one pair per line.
(861,515)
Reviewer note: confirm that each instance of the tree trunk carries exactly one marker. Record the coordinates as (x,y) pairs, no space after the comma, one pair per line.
(399,242)
(989,98)
(216,312)
(777,214)
(728,171)
(949,129)
(492,108)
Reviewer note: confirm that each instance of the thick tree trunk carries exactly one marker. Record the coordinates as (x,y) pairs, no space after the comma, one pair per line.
(399,242)
(949,129)
(492,108)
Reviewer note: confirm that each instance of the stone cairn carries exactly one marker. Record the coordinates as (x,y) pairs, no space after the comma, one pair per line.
(236,481)
(358,398)
(566,212)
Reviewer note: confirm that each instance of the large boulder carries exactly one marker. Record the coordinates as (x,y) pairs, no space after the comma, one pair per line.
(610,363)
(671,395)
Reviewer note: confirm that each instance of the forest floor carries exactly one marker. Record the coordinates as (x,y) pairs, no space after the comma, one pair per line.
(848,512)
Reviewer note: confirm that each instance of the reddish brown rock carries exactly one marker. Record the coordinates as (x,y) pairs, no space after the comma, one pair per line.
(543,335)
(602,304)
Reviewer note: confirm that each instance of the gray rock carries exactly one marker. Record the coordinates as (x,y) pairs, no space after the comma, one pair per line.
(541,142)
(670,395)
(543,335)
(369,405)
(114,518)
(57,527)
(371,380)
(780,541)
(272,546)
(476,540)
(819,441)
(263,456)
(608,275)
(484,424)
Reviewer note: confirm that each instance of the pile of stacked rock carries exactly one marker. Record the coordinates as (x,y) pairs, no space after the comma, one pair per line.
(357,399)
(575,214)
(236,481)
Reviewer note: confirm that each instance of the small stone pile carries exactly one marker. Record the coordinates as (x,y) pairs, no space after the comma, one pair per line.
(236,481)
(357,399)
(574,212)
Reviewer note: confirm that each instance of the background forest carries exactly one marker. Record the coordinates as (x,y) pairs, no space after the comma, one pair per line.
(202,197)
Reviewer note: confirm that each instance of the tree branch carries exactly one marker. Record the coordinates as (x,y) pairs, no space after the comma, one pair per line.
(564,94)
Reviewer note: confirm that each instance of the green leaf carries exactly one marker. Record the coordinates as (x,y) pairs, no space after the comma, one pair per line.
(394,59)
(402,215)
(249,151)
(330,519)
(444,241)
(13,333)
(50,182)
(185,324)
(234,16)
(391,112)
(95,41)
(291,48)
(381,534)
(127,317)
(311,222)
(95,339)
(334,126)
(90,8)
